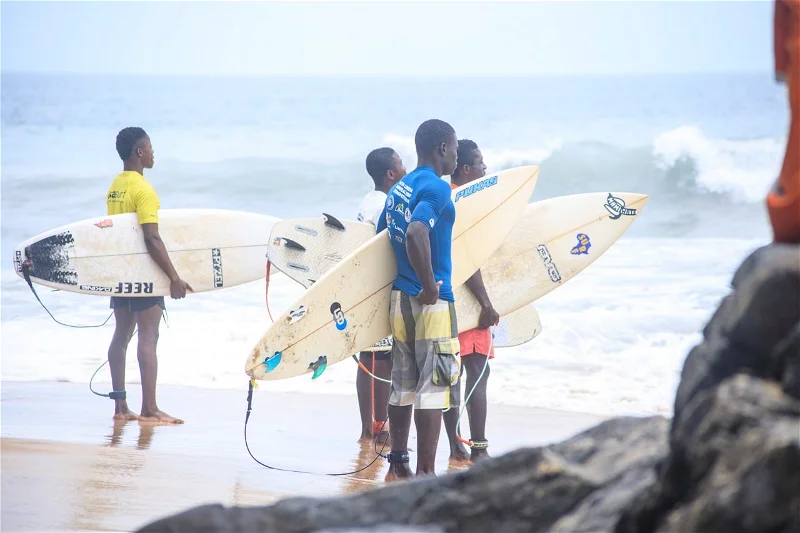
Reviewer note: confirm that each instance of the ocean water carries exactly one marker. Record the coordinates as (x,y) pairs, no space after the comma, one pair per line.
(705,148)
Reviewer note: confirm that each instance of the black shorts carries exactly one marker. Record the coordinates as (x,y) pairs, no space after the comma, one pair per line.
(136,304)
(383,355)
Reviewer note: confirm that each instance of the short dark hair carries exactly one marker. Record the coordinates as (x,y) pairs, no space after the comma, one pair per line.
(127,139)
(379,162)
(466,154)
(431,134)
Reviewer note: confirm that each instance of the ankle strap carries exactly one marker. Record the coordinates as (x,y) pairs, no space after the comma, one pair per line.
(479,444)
(117,395)
(398,457)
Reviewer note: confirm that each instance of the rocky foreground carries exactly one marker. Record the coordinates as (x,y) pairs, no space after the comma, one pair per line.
(728,461)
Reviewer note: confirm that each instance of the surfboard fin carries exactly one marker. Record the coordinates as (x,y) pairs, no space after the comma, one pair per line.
(294,245)
(333,222)
(319,366)
(272,361)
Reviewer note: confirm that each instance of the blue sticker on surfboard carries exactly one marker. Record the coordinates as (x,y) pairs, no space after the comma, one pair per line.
(584,243)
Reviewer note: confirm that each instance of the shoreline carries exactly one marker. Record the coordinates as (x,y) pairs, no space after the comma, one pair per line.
(67,466)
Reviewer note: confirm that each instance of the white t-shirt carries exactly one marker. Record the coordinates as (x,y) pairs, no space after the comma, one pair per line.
(371,207)
(370,211)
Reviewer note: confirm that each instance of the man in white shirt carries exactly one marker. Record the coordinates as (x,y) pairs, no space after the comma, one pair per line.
(385,168)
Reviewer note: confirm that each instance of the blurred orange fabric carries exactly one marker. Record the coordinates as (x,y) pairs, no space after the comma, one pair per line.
(784,204)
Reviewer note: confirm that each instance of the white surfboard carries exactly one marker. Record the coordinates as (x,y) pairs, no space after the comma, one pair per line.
(211,249)
(305,248)
(553,241)
(517,328)
(347,309)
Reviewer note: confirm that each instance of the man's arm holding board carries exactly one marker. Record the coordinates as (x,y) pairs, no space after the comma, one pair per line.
(147,214)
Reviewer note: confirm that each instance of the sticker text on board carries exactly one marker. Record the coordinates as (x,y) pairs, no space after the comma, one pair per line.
(216,262)
(584,243)
(95,288)
(552,270)
(616,206)
(476,187)
(134,287)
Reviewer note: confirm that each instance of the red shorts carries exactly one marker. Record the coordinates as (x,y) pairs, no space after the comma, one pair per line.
(477,341)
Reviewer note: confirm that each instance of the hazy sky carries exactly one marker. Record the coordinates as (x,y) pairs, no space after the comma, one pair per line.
(417,38)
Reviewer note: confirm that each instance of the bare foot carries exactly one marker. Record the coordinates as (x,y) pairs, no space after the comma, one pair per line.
(479,455)
(159,416)
(397,472)
(459,456)
(454,466)
(123,414)
(458,452)
(365,438)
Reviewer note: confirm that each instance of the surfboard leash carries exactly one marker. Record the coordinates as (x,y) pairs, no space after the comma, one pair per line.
(461,439)
(266,292)
(26,275)
(114,395)
(364,368)
(252,383)
(119,395)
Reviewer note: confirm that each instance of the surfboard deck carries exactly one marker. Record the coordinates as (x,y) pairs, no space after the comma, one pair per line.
(347,309)
(305,248)
(211,249)
(550,244)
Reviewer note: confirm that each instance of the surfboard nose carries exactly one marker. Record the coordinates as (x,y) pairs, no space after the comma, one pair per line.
(625,203)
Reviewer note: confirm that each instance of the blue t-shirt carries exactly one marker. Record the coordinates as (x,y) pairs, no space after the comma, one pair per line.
(421,195)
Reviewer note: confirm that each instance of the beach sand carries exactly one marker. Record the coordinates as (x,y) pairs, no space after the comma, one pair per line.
(67,467)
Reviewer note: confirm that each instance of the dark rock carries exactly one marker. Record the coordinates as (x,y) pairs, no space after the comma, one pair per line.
(749,324)
(523,491)
(729,462)
(735,437)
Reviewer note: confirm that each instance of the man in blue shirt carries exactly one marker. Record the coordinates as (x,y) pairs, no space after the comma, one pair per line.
(426,362)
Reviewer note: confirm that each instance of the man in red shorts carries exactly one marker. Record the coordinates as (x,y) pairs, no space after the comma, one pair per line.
(476,344)
(783,201)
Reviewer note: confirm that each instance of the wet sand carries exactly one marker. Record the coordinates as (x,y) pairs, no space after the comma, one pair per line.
(66,466)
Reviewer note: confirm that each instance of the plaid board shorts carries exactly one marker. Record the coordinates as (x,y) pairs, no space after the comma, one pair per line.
(426,358)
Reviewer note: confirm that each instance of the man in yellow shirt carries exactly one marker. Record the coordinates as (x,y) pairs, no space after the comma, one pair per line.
(131,193)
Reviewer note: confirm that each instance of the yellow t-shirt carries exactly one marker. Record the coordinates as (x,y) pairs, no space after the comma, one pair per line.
(131,193)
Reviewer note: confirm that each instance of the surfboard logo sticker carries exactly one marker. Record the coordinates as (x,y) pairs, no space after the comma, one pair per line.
(390,202)
(477,187)
(547,259)
(584,243)
(95,288)
(216,263)
(408,215)
(107,223)
(616,206)
(297,314)
(338,316)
